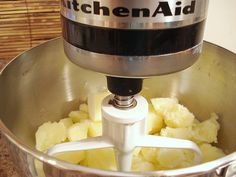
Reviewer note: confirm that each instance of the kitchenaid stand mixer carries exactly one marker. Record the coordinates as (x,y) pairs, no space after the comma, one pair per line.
(129,41)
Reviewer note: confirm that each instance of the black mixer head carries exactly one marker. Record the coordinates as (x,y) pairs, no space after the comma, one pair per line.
(124,86)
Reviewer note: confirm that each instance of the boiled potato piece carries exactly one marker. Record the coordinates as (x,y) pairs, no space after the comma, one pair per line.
(78,131)
(163,105)
(140,164)
(50,134)
(174,114)
(150,154)
(101,159)
(94,104)
(95,129)
(77,116)
(71,157)
(172,158)
(143,166)
(83,107)
(179,117)
(180,133)
(210,152)
(206,131)
(66,122)
(137,151)
(88,121)
(154,122)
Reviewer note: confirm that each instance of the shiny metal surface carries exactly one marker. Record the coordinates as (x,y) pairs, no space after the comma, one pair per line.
(136,66)
(124,102)
(84,13)
(42,85)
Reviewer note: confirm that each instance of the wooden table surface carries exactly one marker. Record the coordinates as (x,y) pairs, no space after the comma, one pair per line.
(6,166)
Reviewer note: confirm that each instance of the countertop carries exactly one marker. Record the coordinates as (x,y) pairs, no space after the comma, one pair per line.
(6,166)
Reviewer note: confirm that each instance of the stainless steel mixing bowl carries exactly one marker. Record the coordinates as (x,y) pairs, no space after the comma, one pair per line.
(42,85)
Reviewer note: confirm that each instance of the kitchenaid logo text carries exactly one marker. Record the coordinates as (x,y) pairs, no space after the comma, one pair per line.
(162,8)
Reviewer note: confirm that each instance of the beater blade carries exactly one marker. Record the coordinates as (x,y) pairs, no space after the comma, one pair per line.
(87,144)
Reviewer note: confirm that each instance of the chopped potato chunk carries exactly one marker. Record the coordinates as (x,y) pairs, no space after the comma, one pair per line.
(101,158)
(140,164)
(149,154)
(95,129)
(143,166)
(83,107)
(137,151)
(180,133)
(50,134)
(67,122)
(172,158)
(174,114)
(210,152)
(94,104)
(154,121)
(78,131)
(179,117)
(163,105)
(71,157)
(77,116)
(206,131)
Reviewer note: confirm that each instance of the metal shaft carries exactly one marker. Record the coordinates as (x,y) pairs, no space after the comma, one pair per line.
(124,102)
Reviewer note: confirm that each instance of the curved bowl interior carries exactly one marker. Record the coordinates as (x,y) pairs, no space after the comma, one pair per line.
(43,85)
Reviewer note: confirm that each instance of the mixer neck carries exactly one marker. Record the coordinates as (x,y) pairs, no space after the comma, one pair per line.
(124,102)
(124,88)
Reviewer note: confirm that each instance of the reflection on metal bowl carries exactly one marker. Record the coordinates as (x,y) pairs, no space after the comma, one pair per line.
(42,85)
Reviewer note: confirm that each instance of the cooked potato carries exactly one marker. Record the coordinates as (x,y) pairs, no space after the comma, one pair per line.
(154,122)
(77,116)
(78,131)
(83,107)
(67,122)
(150,154)
(143,166)
(101,158)
(140,164)
(163,105)
(50,134)
(210,152)
(172,158)
(174,114)
(95,129)
(206,131)
(180,133)
(178,117)
(137,151)
(94,104)
(71,157)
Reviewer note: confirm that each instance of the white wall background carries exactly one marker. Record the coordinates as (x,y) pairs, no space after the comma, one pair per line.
(221,23)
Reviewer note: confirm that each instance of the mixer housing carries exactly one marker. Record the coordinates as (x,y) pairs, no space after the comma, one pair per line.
(133,38)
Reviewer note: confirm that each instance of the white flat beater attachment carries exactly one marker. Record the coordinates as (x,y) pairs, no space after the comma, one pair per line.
(124,130)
